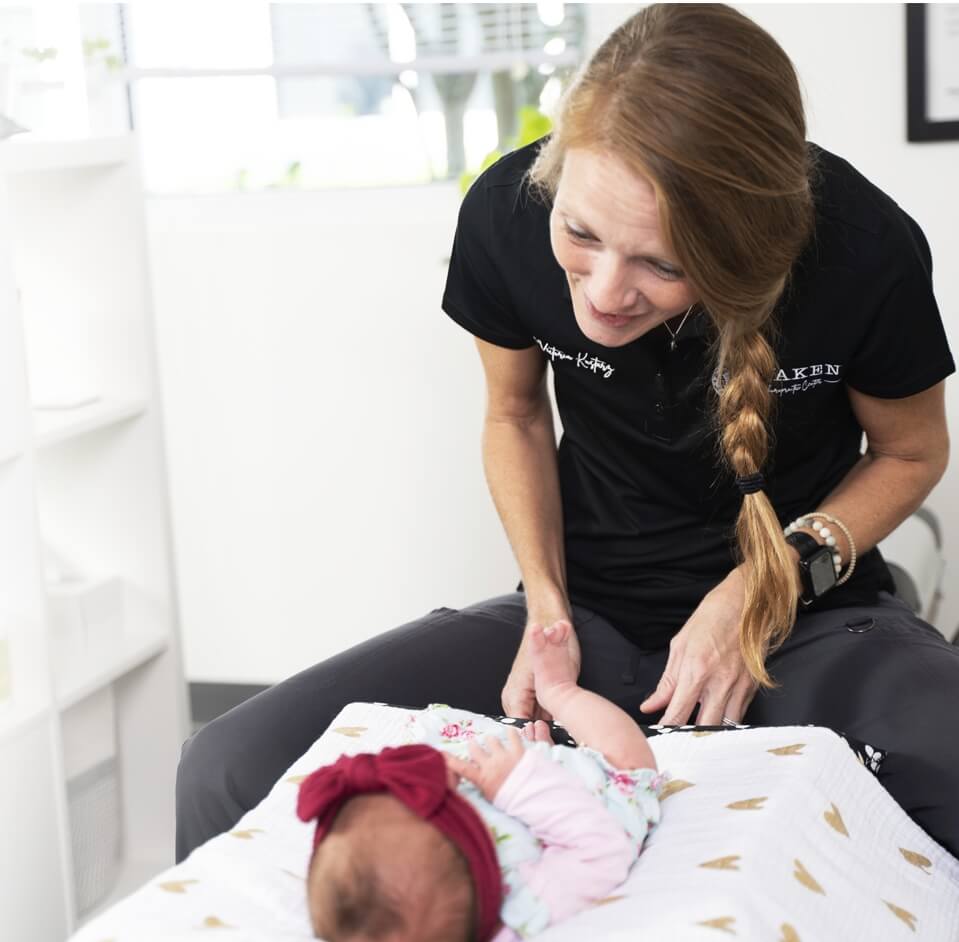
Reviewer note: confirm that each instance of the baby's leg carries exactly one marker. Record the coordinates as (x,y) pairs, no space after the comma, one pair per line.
(591,719)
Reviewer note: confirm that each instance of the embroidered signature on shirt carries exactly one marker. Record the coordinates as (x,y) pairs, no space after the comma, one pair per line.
(584,360)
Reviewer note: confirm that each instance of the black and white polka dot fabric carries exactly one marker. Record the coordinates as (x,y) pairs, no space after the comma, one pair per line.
(871,757)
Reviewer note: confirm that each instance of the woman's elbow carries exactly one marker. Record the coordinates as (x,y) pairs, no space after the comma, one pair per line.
(935,465)
(942,458)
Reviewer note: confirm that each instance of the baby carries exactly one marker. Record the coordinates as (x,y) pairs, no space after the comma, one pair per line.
(418,843)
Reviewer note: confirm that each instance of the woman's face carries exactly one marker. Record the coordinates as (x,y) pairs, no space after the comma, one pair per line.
(604,229)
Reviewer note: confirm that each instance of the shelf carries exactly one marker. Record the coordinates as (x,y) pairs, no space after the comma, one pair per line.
(30,153)
(89,479)
(79,677)
(9,456)
(145,634)
(17,716)
(52,426)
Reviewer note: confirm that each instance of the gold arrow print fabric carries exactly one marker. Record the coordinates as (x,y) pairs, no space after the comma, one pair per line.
(723,923)
(917,860)
(801,873)
(722,863)
(778,834)
(905,916)
(835,821)
(805,878)
(794,750)
(673,787)
(747,804)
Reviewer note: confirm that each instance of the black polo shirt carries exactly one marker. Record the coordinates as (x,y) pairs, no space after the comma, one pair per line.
(648,509)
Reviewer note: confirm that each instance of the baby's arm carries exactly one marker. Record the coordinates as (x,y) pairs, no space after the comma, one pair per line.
(591,720)
(587,852)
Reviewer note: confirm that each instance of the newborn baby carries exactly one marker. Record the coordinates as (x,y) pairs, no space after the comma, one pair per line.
(482,841)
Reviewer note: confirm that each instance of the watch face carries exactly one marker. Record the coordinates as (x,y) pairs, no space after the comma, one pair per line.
(822,572)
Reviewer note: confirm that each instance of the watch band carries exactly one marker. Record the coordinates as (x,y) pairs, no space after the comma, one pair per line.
(804,543)
(812,554)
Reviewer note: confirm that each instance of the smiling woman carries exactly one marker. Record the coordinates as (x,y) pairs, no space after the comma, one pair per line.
(620,275)
(721,303)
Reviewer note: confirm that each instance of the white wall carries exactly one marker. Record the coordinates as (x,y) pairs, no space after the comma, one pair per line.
(322,420)
(323,415)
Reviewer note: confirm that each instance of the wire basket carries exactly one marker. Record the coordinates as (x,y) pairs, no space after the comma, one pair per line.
(94,800)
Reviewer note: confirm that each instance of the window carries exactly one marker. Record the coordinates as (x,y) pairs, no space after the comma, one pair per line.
(61,74)
(255,95)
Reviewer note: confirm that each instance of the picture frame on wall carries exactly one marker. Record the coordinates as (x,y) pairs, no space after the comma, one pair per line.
(932,71)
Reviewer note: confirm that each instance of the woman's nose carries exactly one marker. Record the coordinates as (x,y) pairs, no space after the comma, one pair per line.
(608,286)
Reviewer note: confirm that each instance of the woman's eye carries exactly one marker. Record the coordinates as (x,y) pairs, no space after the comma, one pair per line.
(670,274)
(578,236)
(667,274)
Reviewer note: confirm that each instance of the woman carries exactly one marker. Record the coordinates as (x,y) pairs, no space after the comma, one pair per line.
(726,309)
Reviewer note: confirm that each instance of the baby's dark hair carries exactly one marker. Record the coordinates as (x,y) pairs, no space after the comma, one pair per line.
(360,887)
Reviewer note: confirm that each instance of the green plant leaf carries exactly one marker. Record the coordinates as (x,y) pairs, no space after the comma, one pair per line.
(39,55)
(490,159)
(533,125)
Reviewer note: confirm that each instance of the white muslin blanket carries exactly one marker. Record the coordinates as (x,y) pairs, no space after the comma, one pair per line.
(772,834)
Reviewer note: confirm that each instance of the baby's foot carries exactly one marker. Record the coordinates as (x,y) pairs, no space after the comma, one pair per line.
(553,667)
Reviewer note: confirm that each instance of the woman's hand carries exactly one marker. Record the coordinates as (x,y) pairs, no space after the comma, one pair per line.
(519,692)
(705,665)
(489,764)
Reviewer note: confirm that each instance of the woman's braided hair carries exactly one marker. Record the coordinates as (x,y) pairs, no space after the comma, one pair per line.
(707,106)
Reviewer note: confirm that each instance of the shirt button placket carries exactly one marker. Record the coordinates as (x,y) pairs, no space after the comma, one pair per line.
(660,406)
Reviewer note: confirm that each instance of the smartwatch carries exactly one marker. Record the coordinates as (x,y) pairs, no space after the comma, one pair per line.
(817,572)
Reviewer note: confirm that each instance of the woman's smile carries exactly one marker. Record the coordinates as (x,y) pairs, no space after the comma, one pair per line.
(612,320)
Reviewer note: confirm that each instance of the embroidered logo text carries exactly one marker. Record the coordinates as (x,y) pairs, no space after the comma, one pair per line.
(793,379)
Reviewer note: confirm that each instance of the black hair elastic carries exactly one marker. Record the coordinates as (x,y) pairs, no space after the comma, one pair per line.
(751,483)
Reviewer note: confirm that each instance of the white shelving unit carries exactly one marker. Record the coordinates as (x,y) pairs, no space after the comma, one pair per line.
(58,425)
(92,697)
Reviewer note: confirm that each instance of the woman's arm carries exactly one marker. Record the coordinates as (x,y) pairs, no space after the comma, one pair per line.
(907,452)
(519,457)
(906,455)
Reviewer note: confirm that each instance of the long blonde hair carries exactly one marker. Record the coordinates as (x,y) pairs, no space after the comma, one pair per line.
(707,106)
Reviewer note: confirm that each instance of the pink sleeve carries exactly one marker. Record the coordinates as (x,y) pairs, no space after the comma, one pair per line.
(588,852)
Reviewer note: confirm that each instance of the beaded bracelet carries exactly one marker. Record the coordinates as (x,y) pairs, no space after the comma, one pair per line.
(813,520)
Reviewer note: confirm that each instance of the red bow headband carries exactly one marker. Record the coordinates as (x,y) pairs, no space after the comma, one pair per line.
(416,775)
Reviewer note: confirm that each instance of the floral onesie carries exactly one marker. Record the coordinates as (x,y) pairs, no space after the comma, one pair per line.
(567,825)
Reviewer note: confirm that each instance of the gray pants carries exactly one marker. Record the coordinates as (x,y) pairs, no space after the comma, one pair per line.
(878,673)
